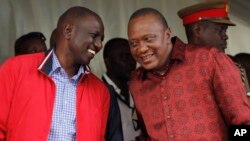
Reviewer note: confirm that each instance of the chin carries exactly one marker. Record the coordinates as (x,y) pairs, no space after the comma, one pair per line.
(86,62)
(148,67)
(223,49)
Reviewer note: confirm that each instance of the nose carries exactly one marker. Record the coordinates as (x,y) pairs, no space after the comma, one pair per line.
(143,48)
(98,45)
(224,36)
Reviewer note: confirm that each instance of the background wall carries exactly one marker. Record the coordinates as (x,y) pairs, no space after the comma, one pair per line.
(18,17)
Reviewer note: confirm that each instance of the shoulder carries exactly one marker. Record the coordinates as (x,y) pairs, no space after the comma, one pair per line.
(201,48)
(137,79)
(23,62)
(203,53)
(96,82)
(137,74)
(92,77)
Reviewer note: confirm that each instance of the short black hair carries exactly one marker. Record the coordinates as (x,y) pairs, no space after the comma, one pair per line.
(52,40)
(75,13)
(147,11)
(19,42)
(113,45)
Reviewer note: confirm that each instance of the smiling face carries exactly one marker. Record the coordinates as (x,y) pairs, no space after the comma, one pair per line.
(150,41)
(214,34)
(85,39)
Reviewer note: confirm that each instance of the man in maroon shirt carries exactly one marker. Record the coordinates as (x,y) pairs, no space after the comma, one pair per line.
(182,91)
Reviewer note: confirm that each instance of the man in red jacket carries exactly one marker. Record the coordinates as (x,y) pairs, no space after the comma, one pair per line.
(54,96)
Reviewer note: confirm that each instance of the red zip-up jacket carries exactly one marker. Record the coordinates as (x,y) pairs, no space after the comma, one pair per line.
(27,97)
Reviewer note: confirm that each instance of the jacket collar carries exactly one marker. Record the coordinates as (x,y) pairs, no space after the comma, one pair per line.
(46,64)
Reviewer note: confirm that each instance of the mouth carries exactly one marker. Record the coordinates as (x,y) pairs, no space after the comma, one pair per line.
(91,51)
(224,46)
(146,58)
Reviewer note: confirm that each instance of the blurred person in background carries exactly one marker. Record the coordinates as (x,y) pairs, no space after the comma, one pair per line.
(32,42)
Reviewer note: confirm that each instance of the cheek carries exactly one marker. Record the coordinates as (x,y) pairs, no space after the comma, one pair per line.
(80,40)
(213,36)
(82,44)
(207,39)
(133,52)
(162,54)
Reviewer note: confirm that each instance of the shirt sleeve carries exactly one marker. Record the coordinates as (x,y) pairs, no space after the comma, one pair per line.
(6,92)
(229,90)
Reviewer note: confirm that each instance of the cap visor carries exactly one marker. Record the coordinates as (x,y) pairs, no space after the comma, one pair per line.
(223,21)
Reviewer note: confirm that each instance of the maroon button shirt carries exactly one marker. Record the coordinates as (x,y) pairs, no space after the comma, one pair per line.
(199,96)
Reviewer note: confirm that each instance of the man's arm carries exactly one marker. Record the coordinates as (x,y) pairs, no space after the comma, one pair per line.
(229,91)
(6,91)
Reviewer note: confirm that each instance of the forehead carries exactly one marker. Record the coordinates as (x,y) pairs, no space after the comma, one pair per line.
(143,19)
(145,24)
(91,21)
(218,25)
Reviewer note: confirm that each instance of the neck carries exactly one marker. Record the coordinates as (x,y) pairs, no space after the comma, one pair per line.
(67,63)
(162,71)
(120,83)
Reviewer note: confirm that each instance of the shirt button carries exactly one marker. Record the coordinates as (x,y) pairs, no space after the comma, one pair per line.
(171,136)
(164,96)
(163,84)
(168,117)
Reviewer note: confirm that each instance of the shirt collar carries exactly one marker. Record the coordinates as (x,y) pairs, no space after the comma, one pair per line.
(178,51)
(55,63)
(118,90)
(110,82)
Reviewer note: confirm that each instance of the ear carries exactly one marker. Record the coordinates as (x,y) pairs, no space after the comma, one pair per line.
(197,30)
(168,34)
(107,63)
(67,31)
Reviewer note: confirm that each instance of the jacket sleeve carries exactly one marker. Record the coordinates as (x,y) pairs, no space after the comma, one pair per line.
(229,90)
(6,91)
(105,111)
(114,125)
